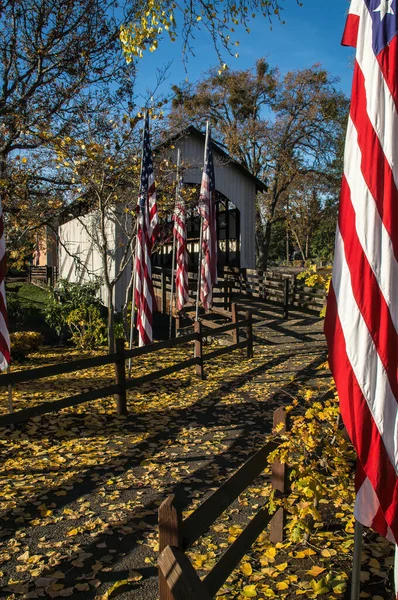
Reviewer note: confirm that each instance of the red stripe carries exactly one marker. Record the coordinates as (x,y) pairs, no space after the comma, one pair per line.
(350,35)
(388,64)
(367,293)
(359,422)
(375,168)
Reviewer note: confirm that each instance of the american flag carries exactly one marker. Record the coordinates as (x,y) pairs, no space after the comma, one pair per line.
(4,335)
(362,313)
(148,228)
(207,211)
(180,234)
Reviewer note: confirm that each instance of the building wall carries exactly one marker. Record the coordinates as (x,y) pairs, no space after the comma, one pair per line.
(80,259)
(231,182)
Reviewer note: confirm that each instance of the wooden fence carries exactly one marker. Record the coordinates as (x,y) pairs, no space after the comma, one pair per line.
(161,277)
(178,579)
(274,286)
(43,275)
(122,383)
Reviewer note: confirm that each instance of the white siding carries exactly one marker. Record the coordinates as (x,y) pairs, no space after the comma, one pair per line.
(231,182)
(80,259)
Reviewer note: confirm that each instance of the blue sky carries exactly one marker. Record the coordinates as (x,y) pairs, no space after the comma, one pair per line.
(312,34)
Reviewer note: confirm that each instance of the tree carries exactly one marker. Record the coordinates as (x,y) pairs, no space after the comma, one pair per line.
(155,19)
(56,57)
(105,167)
(282,128)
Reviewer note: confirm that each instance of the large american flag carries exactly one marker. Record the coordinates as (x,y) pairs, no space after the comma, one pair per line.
(4,335)
(207,211)
(148,228)
(180,235)
(362,314)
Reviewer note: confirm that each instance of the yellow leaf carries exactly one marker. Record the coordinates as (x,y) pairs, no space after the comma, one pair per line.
(315,571)
(246,569)
(374,563)
(270,552)
(282,585)
(82,587)
(340,588)
(328,553)
(73,532)
(281,567)
(115,586)
(249,591)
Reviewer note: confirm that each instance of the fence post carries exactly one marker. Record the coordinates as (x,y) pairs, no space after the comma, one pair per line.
(30,273)
(279,482)
(235,316)
(199,349)
(249,334)
(286,299)
(170,534)
(120,375)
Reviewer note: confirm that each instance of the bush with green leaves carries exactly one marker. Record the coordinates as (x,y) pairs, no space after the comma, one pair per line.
(15,310)
(74,311)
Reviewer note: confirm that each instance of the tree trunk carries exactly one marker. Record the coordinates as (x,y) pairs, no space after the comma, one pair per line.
(111,332)
(266,245)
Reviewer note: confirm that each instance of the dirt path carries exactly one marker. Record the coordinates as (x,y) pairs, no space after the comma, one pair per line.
(81,489)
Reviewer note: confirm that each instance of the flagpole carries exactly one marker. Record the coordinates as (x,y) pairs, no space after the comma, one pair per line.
(132,318)
(174,245)
(201,235)
(356,563)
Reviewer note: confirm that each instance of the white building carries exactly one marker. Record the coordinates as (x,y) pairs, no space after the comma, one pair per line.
(236,190)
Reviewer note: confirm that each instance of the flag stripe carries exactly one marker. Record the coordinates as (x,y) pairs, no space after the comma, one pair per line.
(374,165)
(180,234)
(362,314)
(148,228)
(366,364)
(208,275)
(367,294)
(359,420)
(377,245)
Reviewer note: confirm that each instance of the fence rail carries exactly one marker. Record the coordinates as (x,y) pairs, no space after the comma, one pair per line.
(122,383)
(274,286)
(178,579)
(45,275)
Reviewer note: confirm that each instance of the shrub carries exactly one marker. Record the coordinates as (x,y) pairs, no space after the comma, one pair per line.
(74,312)
(87,328)
(23,343)
(320,463)
(15,310)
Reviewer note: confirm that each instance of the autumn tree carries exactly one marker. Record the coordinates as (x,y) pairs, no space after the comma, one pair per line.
(182,19)
(55,57)
(282,128)
(105,169)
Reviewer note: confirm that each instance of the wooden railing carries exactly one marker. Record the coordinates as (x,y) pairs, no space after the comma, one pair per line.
(161,277)
(274,286)
(122,383)
(44,275)
(178,579)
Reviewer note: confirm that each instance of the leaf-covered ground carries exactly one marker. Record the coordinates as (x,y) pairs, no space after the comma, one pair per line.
(79,490)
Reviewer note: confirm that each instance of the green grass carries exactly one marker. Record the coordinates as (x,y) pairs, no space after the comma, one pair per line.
(32,301)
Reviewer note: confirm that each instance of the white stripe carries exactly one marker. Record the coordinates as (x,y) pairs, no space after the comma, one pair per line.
(356,7)
(380,104)
(364,360)
(367,505)
(372,234)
